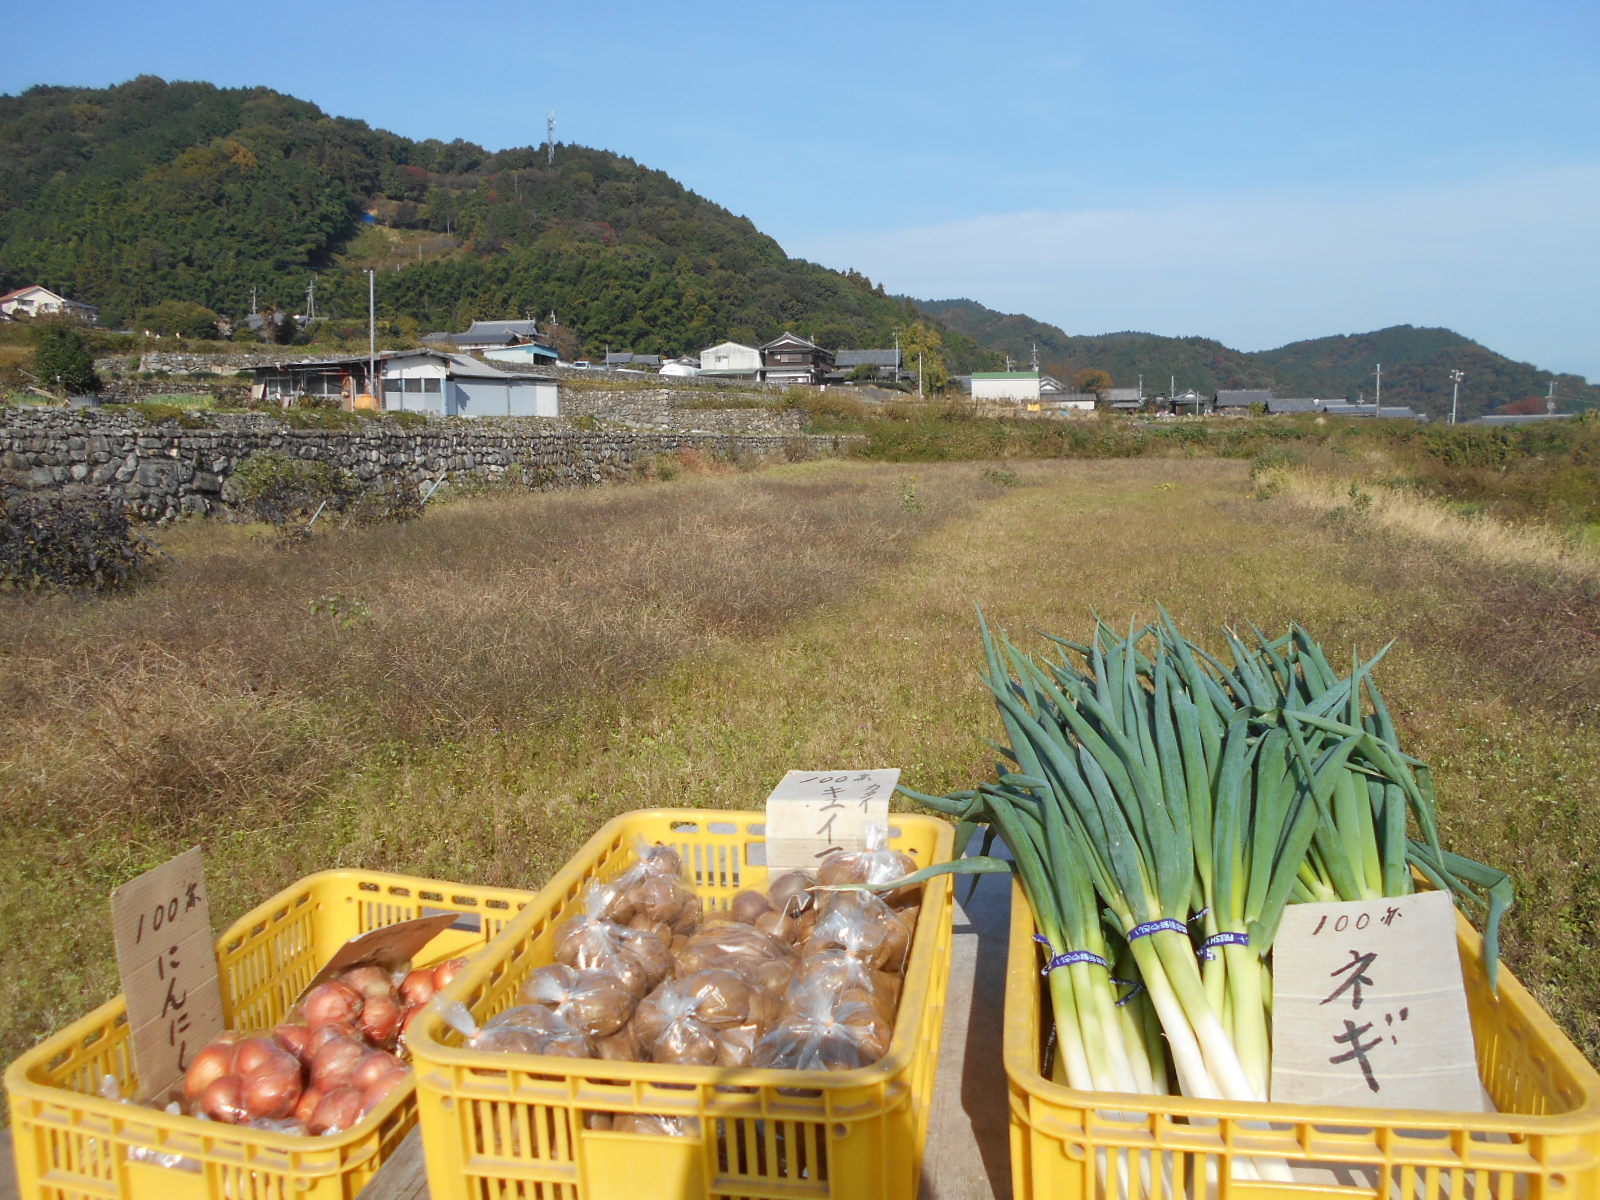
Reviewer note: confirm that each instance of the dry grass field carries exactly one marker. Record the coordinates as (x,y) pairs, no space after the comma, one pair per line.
(471,694)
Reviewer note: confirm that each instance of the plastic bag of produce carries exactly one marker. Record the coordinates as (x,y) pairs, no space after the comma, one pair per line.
(861,924)
(592,942)
(596,1002)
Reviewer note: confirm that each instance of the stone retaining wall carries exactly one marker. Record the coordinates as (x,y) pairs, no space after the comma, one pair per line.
(161,471)
(663,408)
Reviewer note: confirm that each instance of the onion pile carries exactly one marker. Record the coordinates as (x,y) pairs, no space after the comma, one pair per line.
(331,1062)
(793,977)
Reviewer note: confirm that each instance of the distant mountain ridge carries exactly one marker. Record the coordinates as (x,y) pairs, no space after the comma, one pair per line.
(1416,362)
(150,191)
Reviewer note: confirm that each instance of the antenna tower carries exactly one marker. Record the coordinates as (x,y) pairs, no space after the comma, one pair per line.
(550,137)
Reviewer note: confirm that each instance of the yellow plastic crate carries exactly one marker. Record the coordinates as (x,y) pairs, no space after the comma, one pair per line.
(496,1125)
(72,1144)
(1543,1144)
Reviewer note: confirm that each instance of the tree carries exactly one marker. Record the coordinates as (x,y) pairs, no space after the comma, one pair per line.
(1092,379)
(1526,407)
(924,341)
(562,340)
(180,317)
(61,359)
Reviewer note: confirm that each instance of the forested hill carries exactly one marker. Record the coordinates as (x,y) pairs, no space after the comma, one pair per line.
(150,191)
(1416,363)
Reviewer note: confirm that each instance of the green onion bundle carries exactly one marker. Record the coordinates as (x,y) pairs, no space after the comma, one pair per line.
(1162,807)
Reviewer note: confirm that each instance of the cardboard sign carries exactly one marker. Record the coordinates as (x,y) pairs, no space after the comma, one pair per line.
(168,962)
(1369,1008)
(387,947)
(813,814)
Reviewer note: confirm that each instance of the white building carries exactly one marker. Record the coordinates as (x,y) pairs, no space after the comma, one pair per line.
(683,367)
(426,381)
(731,360)
(450,385)
(36,301)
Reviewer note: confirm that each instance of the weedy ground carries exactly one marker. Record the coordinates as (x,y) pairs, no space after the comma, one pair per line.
(472,694)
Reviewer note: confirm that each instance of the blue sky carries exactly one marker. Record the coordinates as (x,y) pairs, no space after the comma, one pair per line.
(1253,172)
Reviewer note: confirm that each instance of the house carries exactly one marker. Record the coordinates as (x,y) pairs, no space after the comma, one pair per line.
(684,367)
(1019,386)
(1389,412)
(36,301)
(428,381)
(486,335)
(791,359)
(529,354)
(885,365)
(1188,401)
(1243,401)
(1277,406)
(731,360)
(622,361)
(1124,399)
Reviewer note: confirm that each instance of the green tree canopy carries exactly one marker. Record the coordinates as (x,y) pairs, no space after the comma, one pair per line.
(61,359)
(1092,379)
(922,349)
(178,316)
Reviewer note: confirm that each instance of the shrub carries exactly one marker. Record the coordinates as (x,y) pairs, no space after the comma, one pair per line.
(277,488)
(71,545)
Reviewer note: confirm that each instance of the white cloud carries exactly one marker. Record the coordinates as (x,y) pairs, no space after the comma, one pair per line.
(1512,262)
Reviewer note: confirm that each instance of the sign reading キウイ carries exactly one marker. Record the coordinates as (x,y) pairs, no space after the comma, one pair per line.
(812,814)
(168,962)
(1369,1008)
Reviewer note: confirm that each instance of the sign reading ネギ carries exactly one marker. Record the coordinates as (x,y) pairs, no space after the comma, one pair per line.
(1369,1008)
(168,963)
(812,814)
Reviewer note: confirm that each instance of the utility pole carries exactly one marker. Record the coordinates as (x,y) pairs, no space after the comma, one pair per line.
(1377,397)
(1035,358)
(372,336)
(1141,389)
(1455,393)
(897,356)
(311,300)
(1550,399)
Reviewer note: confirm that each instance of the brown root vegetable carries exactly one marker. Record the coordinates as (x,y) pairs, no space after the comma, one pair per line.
(731,946)
(337,1111)
(335,1061)
(293,1036)
(669,1031)
(211,1064)
(379,1021)
(621,1046)
(821,1037)
(370,980)
(863,925)
(223,1100)
(596,1002)
(272,1091)
(780,925)
(417,987)
(249,1054)
(747,906)
(307,1107)
(445,972)
(332,1003)
(791,892)
(876,864)
(531,1029)
(383,1087)
(639,960)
